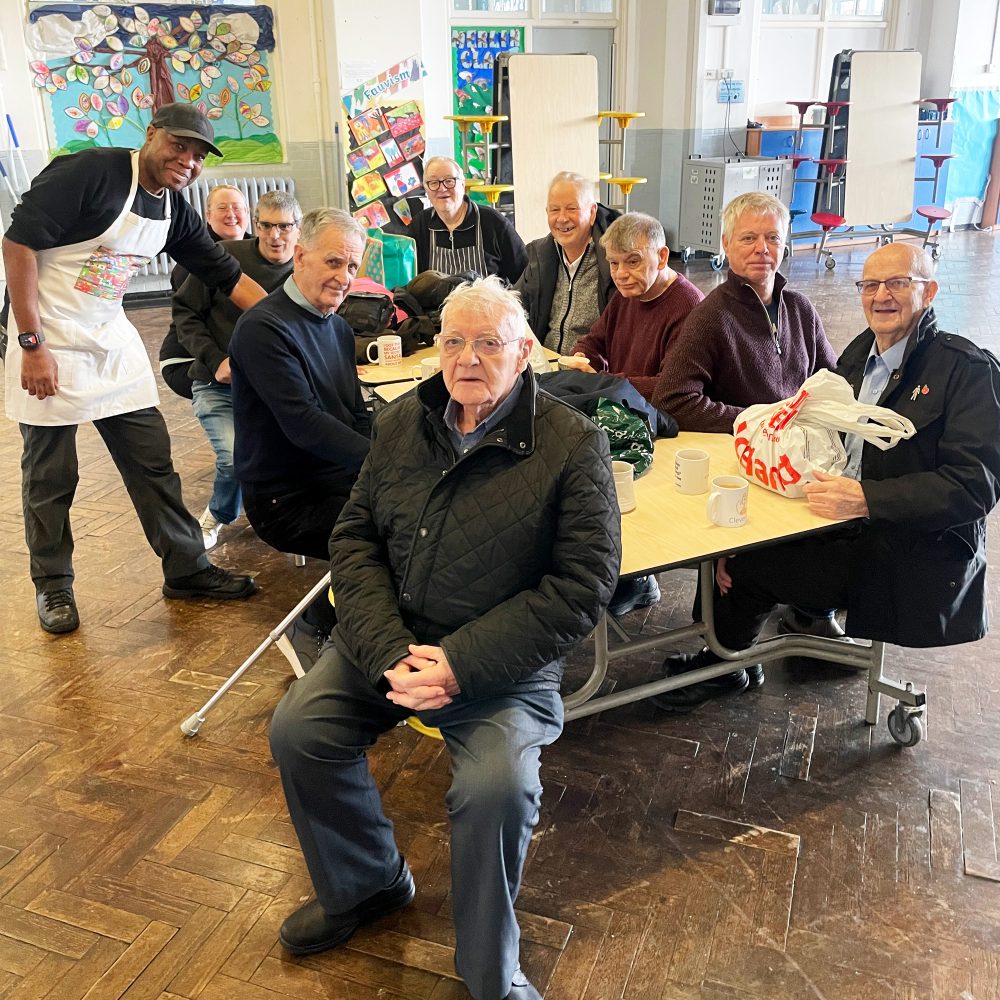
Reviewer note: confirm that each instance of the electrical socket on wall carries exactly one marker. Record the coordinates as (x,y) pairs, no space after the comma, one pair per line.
(725,74)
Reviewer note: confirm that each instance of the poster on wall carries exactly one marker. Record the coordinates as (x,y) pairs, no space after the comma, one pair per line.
(384,120)
(474,53)
(105,69)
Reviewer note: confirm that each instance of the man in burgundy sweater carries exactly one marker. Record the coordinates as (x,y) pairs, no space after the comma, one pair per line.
(630,337)
(752,340)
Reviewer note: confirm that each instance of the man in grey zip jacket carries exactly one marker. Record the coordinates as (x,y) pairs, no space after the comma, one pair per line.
(567,282)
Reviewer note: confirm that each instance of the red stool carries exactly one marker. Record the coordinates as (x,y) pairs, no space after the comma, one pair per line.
(932,213)
(802,107)
(833,108)
(826,221)
(830,165)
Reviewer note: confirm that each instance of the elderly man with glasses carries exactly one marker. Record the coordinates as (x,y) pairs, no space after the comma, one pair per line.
(911,569)
(456,235)
(480,545)
(204,321)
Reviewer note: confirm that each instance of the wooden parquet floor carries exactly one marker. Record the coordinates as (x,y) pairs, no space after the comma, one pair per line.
(769,846)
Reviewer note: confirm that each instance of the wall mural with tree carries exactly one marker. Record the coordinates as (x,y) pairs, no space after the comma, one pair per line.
(105,70)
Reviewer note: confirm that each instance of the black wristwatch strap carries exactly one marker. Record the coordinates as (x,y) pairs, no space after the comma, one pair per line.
(30,340)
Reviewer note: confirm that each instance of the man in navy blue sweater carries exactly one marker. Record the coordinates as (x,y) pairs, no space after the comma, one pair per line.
(302,430)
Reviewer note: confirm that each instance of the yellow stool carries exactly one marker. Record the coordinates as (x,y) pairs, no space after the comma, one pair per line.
(625,185)
(485,124)
(431,731)
(492,192)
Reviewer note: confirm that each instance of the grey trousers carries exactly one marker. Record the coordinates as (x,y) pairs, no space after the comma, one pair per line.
(140,446)
(319,737)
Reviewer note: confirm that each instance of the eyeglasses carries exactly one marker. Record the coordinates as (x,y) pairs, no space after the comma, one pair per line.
(869,286)
(485,347)
(448,183)
(282,227)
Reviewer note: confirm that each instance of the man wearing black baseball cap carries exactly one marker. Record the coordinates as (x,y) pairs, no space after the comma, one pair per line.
(86,225)
(187,121)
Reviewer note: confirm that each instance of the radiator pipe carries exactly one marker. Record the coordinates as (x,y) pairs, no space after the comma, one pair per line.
(319,101)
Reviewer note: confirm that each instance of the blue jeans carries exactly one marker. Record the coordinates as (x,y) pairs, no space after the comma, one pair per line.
(213,406)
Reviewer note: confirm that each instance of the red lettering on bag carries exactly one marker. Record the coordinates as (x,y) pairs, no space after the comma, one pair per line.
(783,417)
(777,480)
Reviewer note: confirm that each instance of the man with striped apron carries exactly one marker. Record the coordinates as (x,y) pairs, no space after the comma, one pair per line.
(87,224)
(456,235)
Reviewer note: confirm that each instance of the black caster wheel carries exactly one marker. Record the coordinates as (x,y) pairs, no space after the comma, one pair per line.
(905,728)
(718,262)
(686,255)
(831,263)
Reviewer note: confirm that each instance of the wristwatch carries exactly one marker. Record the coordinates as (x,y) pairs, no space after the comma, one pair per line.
(29,341)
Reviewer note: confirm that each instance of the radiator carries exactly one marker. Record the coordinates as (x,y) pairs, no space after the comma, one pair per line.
(155,276)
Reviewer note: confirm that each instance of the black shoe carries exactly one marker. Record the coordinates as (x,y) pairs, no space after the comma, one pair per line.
(634,593)
(213,581)
(310,930)
(795,621)
(521,989)
(307,640)
(687,699)
(57,611)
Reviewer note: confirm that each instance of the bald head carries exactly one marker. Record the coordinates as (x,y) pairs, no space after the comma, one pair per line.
(894,315)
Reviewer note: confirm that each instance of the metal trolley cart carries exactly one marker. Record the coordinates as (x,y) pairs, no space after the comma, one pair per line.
(709,183)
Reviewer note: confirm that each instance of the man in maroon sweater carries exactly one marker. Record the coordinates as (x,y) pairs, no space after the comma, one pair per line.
(630,337)
(752,340)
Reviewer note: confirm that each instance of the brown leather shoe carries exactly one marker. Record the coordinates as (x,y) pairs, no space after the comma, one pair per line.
(310,930)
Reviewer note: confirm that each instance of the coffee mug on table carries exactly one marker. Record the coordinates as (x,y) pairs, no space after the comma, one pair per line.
(426,368)
(624,473)
(388,350)
(727,503)
(691,470)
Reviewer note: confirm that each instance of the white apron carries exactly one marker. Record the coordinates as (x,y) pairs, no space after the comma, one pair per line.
(103,366)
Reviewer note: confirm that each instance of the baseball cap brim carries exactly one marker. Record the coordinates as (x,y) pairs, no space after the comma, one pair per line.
(189,133)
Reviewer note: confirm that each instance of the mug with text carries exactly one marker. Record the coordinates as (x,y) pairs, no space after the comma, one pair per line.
(388,350)
(691,471)
(727,503)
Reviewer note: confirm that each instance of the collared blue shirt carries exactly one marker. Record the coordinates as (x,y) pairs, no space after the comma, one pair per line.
(878,371)
(295,294)
(464,443)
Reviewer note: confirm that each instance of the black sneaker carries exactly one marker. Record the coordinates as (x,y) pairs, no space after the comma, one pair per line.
(688,698)
(634,593)
(310,929)
(213,581)
(57,611)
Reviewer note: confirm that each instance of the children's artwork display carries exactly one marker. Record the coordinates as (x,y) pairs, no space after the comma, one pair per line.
(474,53)
(384,121)
(106,69)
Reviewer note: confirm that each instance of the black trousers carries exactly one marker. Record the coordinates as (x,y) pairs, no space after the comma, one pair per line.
(296,520)
(810,573)
(140,447)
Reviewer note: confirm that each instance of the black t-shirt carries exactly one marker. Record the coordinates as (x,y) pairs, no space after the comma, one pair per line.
(77,197)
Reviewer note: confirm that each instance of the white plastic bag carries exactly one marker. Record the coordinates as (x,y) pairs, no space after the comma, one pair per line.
(780,445)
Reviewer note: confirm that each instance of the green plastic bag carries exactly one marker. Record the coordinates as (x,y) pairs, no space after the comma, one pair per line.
(628,434)
(399,258)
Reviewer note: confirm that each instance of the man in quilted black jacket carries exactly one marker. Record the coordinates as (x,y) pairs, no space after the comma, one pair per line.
(480,545)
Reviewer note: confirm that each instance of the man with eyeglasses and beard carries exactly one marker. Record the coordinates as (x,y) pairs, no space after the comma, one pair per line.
(911,569)
(204,321)
(456,235)
(480,545)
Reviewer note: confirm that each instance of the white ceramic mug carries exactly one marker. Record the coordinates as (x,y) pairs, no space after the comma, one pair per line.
(388,350)
(624,473)
(691,470)
(727,503)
